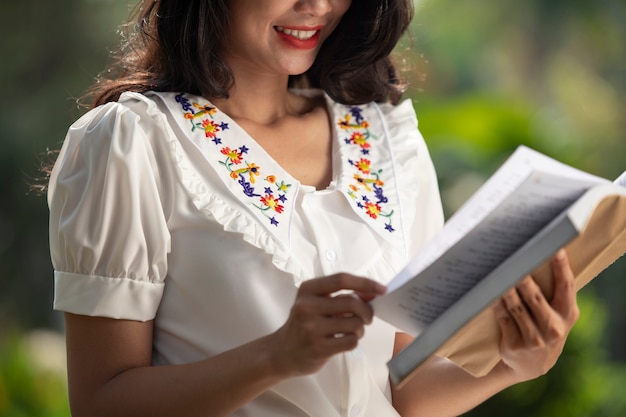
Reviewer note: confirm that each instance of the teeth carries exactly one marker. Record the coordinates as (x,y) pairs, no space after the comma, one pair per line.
(300,34)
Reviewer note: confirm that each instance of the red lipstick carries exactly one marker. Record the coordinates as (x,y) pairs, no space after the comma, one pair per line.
(299,37)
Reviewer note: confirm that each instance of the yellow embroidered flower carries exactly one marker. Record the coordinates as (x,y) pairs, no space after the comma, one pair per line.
(205,109)
(282,186)
(253,170)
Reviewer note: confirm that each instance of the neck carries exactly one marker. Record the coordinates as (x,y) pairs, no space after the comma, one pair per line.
(262,99)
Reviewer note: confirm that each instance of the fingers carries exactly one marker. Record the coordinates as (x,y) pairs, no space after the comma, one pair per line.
(316,297)
(334,283)
(534,330)
(522,305)
(328,316)
(342,306)
(564,300)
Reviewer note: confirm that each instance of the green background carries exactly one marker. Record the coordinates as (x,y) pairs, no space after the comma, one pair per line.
(485,76)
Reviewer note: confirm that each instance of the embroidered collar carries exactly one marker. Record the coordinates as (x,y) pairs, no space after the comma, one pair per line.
(367,187)
(365,177)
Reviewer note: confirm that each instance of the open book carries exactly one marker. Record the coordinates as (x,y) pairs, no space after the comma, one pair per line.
(531,207)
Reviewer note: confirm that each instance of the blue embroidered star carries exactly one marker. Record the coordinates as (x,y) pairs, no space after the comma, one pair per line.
(274,221)
(389,228)
(244,149)
(224,126)
(217,140)
(282,198)
(268,190)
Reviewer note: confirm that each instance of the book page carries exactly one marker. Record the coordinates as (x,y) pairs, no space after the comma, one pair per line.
(496,189)
(512,207)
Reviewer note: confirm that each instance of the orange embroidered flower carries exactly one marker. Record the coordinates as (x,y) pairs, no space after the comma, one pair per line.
(363,165)
(345,123)
(360,139)
(372,209)
(271,179)
(272,203)
(234,155)
(210,128)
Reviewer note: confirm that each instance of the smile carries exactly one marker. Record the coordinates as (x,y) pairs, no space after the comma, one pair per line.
(299,34)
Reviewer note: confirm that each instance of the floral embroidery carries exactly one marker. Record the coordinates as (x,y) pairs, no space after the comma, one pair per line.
(367,189)
(271,202)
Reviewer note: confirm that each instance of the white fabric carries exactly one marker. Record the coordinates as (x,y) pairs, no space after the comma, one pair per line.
(153,218)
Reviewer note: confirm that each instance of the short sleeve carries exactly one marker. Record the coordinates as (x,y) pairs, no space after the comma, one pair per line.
(109,238)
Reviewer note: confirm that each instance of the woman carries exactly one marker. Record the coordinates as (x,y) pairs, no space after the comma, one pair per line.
(213,215)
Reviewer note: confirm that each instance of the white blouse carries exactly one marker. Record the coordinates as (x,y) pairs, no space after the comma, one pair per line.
(162,207)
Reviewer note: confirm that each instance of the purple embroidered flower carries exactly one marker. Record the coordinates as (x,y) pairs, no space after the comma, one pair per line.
(248,189)
(184,102)
(378,192)
(356,113)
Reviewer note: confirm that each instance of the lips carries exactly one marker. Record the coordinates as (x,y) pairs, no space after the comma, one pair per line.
(299,37)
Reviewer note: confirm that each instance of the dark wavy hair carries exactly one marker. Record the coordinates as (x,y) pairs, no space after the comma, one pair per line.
(173,46)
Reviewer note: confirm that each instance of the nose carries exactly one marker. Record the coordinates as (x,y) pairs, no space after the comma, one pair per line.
(314,7)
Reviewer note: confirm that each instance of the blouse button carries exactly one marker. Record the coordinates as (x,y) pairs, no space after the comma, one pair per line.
(355,411)
(331,255)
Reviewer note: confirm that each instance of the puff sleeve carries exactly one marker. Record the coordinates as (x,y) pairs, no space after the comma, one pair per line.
(109,238)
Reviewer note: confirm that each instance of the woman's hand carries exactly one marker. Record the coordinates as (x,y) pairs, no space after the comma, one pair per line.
(328,317)
(533,329)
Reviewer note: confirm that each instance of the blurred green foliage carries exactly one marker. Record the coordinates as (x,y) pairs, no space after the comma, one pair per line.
(32,381)
(485,76)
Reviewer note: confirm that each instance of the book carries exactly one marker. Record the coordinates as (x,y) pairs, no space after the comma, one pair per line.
(530,208)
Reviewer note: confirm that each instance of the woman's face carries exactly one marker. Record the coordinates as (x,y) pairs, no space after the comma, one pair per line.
(279,36)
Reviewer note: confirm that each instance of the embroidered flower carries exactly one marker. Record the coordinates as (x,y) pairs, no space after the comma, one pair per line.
(363,165)
(233,154)
(372,209)
(213,123)
(210,128)
(272,203)
(367,188)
